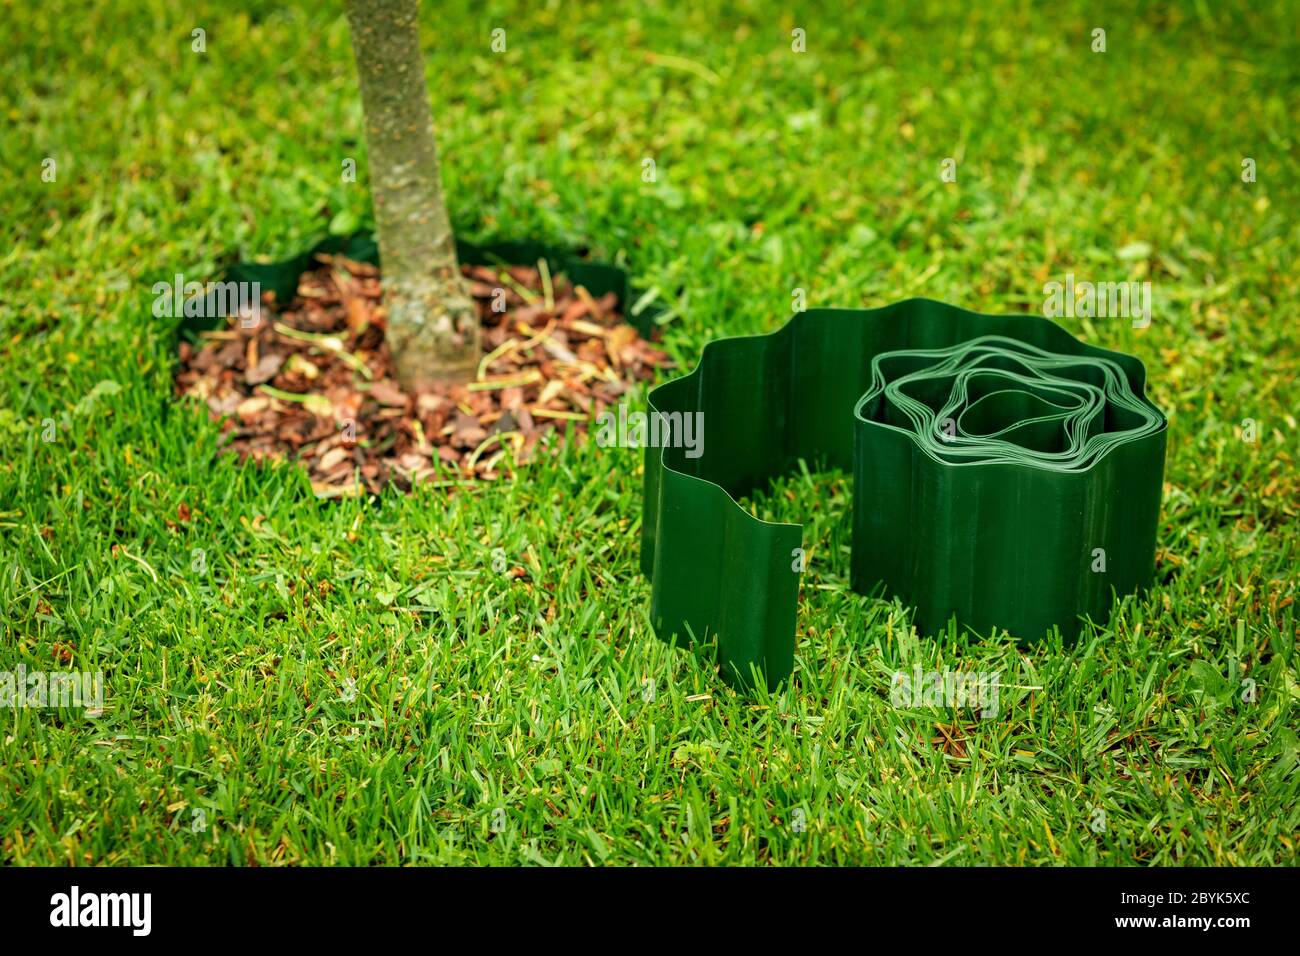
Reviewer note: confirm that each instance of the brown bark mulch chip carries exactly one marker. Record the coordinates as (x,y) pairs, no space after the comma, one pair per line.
(314,380)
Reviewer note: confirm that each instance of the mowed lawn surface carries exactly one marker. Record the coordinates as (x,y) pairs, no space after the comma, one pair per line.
(291,681)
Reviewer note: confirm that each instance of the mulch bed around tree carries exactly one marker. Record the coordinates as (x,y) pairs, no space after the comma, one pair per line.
(314,380)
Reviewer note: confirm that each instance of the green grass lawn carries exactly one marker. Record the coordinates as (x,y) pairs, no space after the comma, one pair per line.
(352,682)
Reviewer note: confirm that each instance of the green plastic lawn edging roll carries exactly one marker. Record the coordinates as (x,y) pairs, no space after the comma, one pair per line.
(1005,475)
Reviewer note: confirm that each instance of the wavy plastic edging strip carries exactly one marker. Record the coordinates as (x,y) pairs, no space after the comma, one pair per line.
(996,462)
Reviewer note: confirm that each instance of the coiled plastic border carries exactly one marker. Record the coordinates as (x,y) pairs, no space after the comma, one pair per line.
(1005,474)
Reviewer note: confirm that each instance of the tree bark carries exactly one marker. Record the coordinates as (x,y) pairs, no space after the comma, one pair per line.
(433,328)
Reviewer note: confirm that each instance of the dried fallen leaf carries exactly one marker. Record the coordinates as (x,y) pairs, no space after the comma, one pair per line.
(387,393)
(265,368)
(332,459)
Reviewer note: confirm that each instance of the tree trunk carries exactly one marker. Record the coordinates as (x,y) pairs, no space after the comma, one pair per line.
(433,328)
